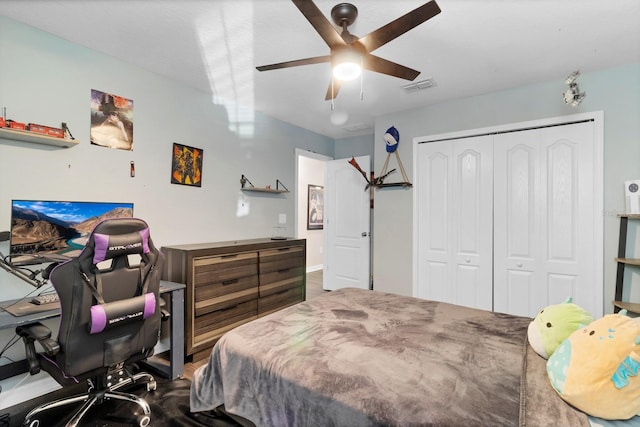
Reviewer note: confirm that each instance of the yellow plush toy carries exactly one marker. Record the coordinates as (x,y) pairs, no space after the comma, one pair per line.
(596,368)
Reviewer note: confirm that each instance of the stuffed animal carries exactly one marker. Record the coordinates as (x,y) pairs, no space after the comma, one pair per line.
(555,323)
(596,368)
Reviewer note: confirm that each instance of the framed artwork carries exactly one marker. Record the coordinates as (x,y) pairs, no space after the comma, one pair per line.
(111,121)
(315,205)
(186,165)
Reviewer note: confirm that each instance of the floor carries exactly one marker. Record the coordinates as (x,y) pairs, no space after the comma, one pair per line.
(314,289)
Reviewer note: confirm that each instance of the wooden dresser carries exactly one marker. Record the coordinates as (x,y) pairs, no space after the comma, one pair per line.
(231,283)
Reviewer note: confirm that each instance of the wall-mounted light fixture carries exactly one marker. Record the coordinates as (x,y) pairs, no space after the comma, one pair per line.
(573,96)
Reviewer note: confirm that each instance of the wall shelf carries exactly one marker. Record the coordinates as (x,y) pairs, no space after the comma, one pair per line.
(264,190)
(244,181)
(35,138)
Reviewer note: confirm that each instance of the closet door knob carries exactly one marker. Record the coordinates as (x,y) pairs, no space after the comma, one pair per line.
(468,260)
(519,265)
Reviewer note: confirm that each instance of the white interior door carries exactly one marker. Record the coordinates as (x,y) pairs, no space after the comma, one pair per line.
(455,224)
(545,221)
(346,225)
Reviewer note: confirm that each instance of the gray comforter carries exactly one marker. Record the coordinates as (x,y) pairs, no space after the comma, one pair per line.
(365,358)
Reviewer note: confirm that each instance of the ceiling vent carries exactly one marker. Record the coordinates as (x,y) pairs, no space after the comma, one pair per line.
(355,127)
(414,87)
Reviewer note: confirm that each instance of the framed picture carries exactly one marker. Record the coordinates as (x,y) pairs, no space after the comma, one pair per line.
(186,165)
(315,206)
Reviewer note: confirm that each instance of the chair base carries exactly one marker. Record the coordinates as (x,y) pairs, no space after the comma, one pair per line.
(93,397)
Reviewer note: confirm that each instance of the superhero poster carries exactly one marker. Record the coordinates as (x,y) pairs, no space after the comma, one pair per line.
(186,165)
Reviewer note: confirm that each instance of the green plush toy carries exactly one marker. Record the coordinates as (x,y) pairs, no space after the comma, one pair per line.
(555,323)
(596,369)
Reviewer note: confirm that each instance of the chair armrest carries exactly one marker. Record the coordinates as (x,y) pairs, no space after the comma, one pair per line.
(37,332)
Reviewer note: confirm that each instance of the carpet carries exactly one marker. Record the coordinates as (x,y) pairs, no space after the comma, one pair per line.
(169,407)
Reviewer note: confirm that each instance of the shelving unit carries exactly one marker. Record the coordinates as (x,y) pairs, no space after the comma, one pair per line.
(244,181)
(35,138)
(623,263)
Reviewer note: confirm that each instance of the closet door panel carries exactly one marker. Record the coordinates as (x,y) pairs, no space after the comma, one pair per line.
(517,209)
(454,227)
(433,227)
(570,227)
(472,221)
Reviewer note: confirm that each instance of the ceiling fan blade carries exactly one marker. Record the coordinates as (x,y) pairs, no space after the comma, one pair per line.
(296,63)
(321,24)
(332,92)
(383,66)
(396,28)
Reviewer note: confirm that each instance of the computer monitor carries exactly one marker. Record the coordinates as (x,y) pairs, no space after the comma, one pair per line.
(49,231)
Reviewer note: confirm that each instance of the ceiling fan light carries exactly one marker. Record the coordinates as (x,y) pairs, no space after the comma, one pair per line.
(347,71)
(347,65)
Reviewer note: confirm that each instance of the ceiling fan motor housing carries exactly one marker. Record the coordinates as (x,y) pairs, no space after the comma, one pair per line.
(344,14)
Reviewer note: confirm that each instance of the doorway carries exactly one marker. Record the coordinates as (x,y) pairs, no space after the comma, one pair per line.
(309,171)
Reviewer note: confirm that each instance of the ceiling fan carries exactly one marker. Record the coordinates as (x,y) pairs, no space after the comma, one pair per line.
(351,51)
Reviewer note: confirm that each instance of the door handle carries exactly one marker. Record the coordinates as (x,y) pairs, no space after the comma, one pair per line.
(364,234)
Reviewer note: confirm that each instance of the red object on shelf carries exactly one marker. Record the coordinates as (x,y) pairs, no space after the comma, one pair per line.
(46,130)
(16,125)
(3,122)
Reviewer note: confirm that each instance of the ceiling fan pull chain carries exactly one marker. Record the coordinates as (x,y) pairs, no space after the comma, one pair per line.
(361,79)
(332,97)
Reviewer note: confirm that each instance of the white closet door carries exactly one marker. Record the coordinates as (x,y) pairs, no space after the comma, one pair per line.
(544,219)
(455,227)
(518,196)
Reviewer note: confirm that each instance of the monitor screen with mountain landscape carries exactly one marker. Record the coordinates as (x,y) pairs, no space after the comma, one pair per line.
(45,231)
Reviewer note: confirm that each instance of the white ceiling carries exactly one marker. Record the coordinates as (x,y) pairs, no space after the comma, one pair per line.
(472,47)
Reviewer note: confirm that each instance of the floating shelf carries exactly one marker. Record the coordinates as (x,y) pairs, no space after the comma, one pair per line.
(35,138)
(244,181)
(264,190)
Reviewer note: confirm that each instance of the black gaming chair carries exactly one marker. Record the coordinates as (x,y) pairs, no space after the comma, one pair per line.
(110,318)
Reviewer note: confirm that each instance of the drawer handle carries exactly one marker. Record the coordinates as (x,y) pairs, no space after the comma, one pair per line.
(229,282)
(282,292)
(284,270)
(229,256)
(225,309)
(283,249)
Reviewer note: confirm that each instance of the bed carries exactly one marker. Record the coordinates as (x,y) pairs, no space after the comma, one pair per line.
(355,357)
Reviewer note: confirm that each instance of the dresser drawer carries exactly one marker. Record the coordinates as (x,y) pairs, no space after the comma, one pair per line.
(275,282)
(222,302)
(279,300)
(211,291)
(224,268)
(281,258)
(212,325)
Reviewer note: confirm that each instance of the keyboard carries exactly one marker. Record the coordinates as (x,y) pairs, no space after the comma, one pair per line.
(45,299)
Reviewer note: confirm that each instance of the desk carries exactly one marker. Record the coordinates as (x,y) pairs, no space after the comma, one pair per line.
(172,370)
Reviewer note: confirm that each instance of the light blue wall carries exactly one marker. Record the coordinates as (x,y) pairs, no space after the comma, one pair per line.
(354,146)
(615,91)
(47,80)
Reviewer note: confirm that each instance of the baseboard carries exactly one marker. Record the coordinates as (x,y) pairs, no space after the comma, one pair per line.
(312,268)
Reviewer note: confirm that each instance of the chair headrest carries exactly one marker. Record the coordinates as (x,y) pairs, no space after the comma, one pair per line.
(108,246)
